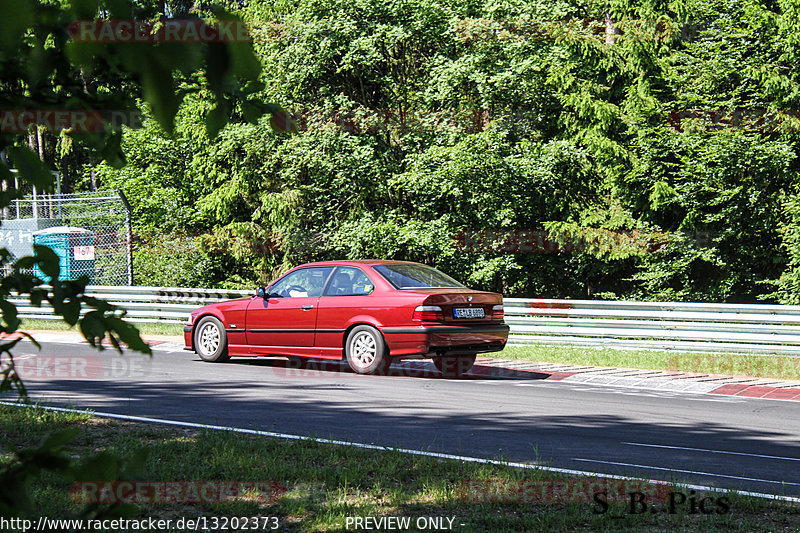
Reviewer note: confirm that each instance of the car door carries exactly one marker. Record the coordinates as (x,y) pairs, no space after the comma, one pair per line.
(287,316)
(346,296)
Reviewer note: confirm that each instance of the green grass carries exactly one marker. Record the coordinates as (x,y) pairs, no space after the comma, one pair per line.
(39,324)
(325,484)
(768,366)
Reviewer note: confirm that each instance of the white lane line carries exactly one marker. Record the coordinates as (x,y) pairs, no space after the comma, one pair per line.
(712,451)
(687,471)
(479,460)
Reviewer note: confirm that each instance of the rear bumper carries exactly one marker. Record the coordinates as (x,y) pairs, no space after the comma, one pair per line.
(424,340)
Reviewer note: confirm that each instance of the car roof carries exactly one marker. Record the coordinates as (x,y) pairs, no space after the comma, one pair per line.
(362,262)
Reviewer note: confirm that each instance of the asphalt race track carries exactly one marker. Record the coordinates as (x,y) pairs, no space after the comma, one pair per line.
(743,443)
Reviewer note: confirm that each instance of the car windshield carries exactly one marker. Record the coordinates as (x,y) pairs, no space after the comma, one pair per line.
(411,276)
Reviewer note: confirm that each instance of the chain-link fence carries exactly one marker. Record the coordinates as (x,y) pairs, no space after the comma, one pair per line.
(90,232)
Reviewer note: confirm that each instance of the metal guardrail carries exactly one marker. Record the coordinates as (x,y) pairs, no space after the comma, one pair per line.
(143,304)
(753,328)
(708,327)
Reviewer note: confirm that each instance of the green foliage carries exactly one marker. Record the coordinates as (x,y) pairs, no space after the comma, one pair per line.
(18,475)
(173,260)
(664,144)
(789,282)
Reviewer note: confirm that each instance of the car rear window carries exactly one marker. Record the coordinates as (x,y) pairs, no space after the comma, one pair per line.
(410,276)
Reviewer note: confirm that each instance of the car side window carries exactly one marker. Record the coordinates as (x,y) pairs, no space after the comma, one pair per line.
(349,281)
(303,283)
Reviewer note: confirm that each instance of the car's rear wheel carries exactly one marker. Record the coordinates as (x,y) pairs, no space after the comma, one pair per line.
(210,340)
(453,366)
(366,351)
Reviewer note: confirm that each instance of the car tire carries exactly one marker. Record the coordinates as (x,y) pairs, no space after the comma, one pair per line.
(454,366)
(210,340)
(366,351)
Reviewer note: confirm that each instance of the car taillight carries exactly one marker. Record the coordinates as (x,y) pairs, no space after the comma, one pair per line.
(428,313)
(497,312)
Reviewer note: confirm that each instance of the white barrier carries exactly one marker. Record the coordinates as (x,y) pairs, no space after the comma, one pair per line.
(143,304)
(757,328)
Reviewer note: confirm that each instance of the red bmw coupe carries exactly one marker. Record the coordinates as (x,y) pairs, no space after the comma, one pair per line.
(369,312)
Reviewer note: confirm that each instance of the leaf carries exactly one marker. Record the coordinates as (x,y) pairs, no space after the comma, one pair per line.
(71,310)
(50,454)
(129,335)
(114,342)
(31,339)
(9,315)
(111,150)
(37,296)
(240,58)
(55,441)
(92,327)
(84,53)
(117,8)
(102,467)
(661,195)
(217,65)
(217,118)
(244,62)
(84,9)
(17,17)
(158,87)
(8,192)
(6,347)
(47,260)
(31,168)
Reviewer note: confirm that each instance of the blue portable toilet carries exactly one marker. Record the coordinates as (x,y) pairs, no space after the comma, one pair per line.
(74,248)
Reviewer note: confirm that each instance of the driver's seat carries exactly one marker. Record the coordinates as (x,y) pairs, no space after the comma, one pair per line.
(342,284)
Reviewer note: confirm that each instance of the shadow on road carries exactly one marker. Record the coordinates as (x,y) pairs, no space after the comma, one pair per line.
(406,369)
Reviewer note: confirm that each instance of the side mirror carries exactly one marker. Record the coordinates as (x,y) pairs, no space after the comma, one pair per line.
(261,292)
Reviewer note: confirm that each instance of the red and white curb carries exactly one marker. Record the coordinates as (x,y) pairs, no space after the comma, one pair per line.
(656,380)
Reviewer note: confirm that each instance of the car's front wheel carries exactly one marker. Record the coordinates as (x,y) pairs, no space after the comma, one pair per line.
(210,340)
(453,366)
(366,351)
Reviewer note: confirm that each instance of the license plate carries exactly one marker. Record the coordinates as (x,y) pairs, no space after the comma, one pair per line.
(468,312)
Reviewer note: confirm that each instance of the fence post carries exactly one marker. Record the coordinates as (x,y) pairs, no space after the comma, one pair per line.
(129,235)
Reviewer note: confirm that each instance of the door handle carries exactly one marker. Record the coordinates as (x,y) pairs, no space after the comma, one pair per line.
(308,306)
